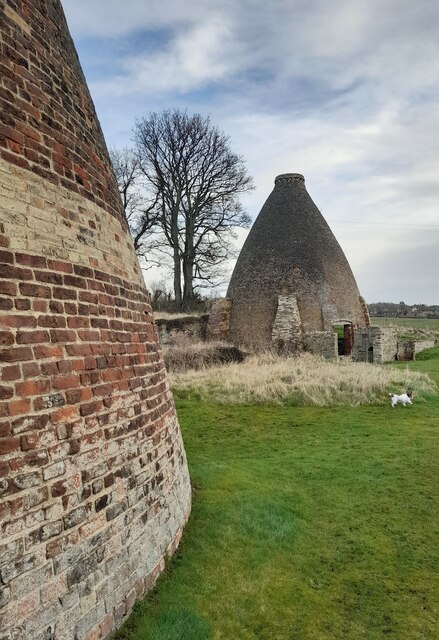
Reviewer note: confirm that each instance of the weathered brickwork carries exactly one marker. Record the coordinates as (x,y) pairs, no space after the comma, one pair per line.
(94,487)
(321,343)
(374,344)
(365,344)
(218,323)
(192,327)
(287,329)
(407,349)
(291,251)
(48,122)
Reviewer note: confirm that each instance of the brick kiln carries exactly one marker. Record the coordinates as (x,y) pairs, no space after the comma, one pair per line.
(94,486)
(292,284)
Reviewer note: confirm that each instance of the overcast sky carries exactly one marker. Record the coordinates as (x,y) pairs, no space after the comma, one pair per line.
(345,92)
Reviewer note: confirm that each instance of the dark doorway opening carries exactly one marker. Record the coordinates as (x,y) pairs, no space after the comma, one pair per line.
(345,335)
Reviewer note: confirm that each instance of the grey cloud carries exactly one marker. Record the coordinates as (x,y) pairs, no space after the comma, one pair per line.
(349,53)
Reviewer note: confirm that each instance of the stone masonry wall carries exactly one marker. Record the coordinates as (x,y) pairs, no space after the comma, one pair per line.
(322,343)
(408,349)
(94,486)
(193,327)
(218,323)
(379,341)
(287,330)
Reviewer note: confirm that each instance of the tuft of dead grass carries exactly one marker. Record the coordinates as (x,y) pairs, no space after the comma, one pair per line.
(303,380)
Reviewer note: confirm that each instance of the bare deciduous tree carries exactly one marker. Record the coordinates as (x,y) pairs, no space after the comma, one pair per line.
(140,204)
(126,168)
(193,181)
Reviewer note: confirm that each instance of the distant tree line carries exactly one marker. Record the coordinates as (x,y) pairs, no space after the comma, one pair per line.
(403,310)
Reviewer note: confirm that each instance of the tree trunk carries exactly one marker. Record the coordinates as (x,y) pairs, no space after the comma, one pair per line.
(176,256)
(188,274)
(189,261)
(177,278)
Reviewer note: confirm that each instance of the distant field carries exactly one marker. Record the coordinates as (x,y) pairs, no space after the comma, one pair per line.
(416,323)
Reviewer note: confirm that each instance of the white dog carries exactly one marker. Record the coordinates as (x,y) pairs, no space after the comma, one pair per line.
(404,398)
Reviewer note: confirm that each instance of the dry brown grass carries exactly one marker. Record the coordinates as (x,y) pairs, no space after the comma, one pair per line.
(305,380)
(165,315)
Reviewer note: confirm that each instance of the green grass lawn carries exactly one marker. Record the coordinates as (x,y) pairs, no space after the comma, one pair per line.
(307,524)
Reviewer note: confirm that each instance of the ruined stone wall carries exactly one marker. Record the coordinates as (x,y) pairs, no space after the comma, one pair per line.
(94,487)
(421,345)
(408,349)
(218,324)
(374,344)
(321,343)
(287,330)
(192,327)
(362,348)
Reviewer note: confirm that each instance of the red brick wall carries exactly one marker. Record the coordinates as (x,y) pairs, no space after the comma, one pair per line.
(94,487)
(48,122)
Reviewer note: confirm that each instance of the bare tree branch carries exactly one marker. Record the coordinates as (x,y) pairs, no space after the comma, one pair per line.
(194,182)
